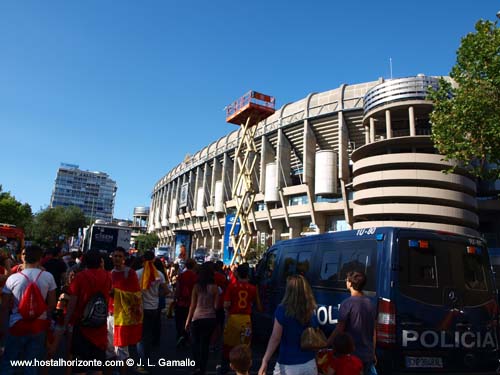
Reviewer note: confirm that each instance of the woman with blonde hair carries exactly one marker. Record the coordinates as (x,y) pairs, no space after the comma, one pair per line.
(292,317)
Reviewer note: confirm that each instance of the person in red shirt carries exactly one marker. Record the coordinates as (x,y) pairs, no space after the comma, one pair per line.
(344,362)
(232,273)
(88,343)
(238,300)
(183,290)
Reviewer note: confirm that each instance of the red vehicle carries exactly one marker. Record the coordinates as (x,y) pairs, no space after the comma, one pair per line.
(11,238)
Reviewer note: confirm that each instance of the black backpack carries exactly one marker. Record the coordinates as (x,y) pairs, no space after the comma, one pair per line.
(95,313)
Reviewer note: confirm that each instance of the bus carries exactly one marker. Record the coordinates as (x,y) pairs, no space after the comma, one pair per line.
(434,292)
(106,237)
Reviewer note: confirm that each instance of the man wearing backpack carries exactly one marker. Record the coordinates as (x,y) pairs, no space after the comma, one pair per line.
(88,309)
(29,297)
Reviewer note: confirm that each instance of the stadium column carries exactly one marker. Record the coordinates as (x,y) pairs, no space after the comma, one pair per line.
(283,158)
(295,228)
(372,130)
(309,147)
(216,175)
(411,117)
(267,156)
(388,124)
(227,176)
(309,154)
(344,167)
(277,231)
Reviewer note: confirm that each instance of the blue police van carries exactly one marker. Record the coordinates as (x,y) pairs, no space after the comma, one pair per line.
(434,293)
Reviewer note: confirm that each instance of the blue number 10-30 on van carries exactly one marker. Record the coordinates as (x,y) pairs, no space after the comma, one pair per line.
(434,293)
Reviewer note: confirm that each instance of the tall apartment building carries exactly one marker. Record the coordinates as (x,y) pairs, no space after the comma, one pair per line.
(93,192)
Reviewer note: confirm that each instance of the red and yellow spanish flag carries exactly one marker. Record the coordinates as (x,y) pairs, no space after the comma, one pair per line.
(128,311)
(149,275)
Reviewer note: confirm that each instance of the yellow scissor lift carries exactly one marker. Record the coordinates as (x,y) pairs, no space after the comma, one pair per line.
(246,112)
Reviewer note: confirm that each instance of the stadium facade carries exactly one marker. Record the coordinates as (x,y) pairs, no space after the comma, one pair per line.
(357,156)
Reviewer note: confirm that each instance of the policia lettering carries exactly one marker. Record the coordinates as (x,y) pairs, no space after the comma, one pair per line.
(433,339)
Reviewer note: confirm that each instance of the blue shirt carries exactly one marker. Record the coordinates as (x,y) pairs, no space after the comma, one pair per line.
(290,351)
(359,316)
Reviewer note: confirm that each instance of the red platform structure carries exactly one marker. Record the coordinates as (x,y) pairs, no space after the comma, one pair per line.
(252,105)
(247,112)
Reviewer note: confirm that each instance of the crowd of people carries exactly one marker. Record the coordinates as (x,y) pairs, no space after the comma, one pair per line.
(97,307)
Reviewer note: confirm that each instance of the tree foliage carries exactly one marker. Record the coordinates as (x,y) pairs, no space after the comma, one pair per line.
(146,242)
(51,224)
(466,116)
(14,212)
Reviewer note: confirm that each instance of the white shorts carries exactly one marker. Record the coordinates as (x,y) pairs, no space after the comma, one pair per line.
(308,368)
(114,352)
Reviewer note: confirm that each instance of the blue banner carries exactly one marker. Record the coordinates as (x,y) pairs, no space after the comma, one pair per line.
(228,246)
(183,237)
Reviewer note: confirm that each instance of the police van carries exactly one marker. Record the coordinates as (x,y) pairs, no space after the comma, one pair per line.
(434,293)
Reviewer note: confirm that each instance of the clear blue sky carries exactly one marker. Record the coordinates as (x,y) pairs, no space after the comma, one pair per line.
(130,87)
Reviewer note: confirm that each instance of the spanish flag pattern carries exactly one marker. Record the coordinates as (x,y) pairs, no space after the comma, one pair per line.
(128,312)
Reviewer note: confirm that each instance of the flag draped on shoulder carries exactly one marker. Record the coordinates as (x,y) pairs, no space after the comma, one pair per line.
(149,275)
(127,299)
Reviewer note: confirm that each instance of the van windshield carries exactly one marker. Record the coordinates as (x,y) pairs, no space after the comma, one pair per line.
(444,272)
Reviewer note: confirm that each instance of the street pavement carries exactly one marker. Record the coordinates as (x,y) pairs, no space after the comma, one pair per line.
(164,357)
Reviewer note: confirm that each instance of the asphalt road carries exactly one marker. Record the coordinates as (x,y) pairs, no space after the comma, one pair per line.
(164,357)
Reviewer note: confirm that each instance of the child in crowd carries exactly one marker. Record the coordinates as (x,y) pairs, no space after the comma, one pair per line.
(240,359)
(344,362)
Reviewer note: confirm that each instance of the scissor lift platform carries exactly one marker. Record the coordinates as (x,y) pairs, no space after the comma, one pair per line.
(252,105)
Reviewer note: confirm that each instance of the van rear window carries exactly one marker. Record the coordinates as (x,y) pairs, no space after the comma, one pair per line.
(423,270)
(340,258)
(495,264)
(429,273)
(474,272)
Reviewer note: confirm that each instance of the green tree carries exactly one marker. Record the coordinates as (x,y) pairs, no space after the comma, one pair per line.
(14,212)
(52,223)
(145,242)
(466,116)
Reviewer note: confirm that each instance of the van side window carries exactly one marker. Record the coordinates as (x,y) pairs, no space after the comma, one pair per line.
(294,263)
(270,265)
(330,266)
(340,258)
(289,266)
(355,260)
(303,262)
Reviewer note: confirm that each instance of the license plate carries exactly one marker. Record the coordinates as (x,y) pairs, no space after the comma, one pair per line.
(424,362)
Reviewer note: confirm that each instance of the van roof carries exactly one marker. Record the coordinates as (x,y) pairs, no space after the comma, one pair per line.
(365,233)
